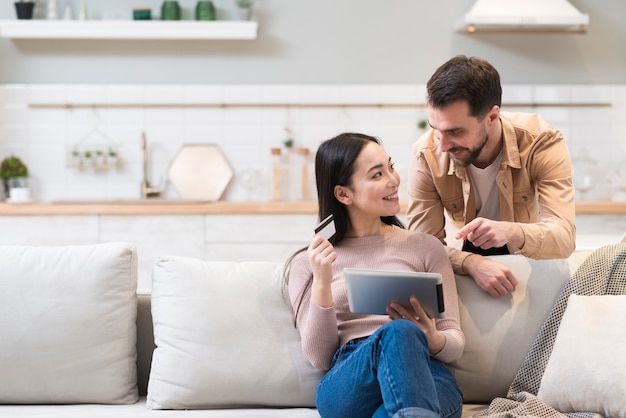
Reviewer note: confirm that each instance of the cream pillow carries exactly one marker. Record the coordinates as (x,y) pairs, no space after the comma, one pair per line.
(67,324)
(225,338)
(586,371)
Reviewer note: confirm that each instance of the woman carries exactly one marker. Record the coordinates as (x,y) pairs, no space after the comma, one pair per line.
(377,365)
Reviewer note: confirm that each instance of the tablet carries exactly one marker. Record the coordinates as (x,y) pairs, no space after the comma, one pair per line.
(371,291)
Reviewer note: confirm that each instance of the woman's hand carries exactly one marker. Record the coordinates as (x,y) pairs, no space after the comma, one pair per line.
(321,255)
(416,314)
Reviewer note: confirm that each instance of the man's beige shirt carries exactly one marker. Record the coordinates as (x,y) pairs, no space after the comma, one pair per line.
(534,179)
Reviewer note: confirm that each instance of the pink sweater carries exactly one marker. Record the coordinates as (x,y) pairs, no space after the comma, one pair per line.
(324,330)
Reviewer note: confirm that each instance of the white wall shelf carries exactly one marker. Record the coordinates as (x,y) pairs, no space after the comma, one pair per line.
(128,29)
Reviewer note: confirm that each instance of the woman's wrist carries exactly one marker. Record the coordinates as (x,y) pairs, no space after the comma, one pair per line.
(436,343)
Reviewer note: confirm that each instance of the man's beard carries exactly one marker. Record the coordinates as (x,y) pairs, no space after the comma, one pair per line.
(473,153)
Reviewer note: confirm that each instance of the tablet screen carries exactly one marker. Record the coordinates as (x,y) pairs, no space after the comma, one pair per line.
(371,291)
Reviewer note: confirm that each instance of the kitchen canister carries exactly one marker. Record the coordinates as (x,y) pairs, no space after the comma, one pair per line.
(142,14)
(24,9)
(170,10)
(205,10)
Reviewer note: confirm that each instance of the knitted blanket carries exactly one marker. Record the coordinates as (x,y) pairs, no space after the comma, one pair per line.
(602,273)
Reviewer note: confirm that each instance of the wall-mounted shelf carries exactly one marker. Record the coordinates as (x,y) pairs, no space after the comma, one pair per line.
(127,29)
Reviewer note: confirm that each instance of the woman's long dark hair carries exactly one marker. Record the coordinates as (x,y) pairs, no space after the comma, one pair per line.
(334,165)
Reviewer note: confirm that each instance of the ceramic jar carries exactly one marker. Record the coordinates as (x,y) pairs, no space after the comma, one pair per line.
(24,9)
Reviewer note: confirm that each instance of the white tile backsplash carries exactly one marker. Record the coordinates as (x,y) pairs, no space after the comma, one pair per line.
(46,94)
(552,94)
(359,94)
(591,94)
(86,94)
(164,95)
(12,115)
(321,94)
(518,94)
(242,94)
(402,94)
(35,125)
(280,94)
(201,94)
(124,94)
(14,94)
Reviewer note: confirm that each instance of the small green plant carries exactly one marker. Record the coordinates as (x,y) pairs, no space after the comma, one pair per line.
(288,143)
(422,124)
(13,167)
(244,4)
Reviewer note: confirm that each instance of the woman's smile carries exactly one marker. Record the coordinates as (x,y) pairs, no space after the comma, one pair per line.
(392,197)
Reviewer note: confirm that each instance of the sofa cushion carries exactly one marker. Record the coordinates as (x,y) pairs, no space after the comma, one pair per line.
(499,331)
(587,367)
(67,324)
(225,337)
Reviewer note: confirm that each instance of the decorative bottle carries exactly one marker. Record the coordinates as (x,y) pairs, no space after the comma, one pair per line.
(277,175)
(52,10)
(304,174)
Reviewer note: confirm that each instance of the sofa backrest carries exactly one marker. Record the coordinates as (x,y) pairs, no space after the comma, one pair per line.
(145,342)
(499,331)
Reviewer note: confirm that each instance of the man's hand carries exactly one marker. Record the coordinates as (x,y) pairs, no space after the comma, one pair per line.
(493,277)
(486,233)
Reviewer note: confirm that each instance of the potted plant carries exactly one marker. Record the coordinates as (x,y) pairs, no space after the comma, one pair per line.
(244,8)
(24,9)
(14,174)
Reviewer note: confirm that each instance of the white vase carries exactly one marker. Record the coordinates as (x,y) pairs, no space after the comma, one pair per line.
(245,13)
(67,12)
(52,10)
(19,191)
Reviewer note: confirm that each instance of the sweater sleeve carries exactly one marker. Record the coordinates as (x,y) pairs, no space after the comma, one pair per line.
(317,325)
(437,260)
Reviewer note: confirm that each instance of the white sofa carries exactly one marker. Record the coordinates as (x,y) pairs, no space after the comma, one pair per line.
(214,339)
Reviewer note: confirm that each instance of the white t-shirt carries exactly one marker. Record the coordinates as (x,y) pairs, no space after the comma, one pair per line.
(486,192)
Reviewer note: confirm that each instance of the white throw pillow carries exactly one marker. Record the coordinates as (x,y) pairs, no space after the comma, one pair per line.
(586,371)
(225,337)
(67,324)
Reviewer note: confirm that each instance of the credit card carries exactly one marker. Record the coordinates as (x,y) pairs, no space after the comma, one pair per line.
(326,228)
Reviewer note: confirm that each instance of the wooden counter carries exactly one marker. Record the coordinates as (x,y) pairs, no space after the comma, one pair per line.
(156,207)
(600,207)
(178,207)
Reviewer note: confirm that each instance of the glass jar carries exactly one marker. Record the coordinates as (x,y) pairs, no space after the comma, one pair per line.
(205,10)
(170,10)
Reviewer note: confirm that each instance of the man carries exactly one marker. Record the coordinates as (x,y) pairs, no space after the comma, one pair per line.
(504,179)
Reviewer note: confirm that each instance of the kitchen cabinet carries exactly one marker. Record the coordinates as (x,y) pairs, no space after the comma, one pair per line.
(128,29)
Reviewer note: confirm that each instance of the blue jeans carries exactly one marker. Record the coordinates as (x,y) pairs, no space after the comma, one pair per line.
(388,374)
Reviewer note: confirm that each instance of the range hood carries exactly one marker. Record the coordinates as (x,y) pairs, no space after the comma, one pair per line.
(523,16)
